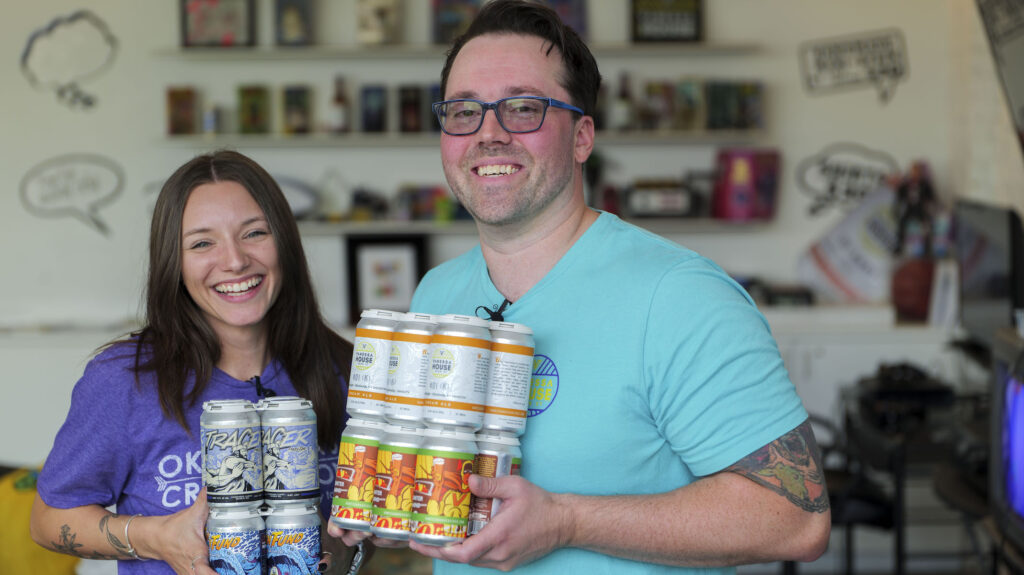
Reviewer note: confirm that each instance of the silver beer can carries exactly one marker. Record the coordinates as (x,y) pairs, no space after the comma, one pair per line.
(293,538)
(407,370)
(235,538)
(508,391)
(357,470)
(460,357)
(232,453)
(498,455)
(440,501)
(395,482)
(291,452)
(368,378)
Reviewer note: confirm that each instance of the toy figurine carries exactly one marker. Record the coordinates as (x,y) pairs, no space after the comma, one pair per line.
(915,201)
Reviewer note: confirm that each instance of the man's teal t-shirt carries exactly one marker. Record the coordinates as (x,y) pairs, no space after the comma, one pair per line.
(652,368)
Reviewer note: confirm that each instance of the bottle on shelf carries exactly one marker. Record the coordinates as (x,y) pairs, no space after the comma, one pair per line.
(622,110)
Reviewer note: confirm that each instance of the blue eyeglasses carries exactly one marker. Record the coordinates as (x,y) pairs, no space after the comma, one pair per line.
(517,115)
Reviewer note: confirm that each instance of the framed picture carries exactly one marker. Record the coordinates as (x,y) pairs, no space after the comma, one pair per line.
(218,23)
(293,22)
(296,112)
(253,110)
(383,271)
(668,20)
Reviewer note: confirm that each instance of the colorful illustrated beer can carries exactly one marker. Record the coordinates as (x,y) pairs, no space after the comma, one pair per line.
(440,501)
(293,538)
(508,390)
(291,453)
(357,468)
(371,353)
(232,453)
(407,371)
(460,363)
(396,481)
(235,538)
(498,455)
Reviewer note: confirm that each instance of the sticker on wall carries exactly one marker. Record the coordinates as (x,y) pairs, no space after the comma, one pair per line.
(75,185)
(876,60)
(842,175)
(66,52)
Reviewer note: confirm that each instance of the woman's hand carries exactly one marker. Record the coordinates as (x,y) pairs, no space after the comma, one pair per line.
(178,539)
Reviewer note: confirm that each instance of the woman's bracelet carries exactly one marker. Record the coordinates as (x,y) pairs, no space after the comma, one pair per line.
(131,550)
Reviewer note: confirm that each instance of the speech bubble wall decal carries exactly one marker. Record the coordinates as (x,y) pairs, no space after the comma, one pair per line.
(871,60)
(69,50)
(75,185)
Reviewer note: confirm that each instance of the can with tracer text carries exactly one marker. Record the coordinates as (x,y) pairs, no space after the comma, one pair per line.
(460,362)
(291,452)
(293,538)
(508,390)
(235,538)
(371,353)
(232,453)
(357,469)
(440,501)
(407,370)
(498,455)
(396,480)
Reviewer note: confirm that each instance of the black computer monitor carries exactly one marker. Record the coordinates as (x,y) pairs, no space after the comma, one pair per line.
(990,252)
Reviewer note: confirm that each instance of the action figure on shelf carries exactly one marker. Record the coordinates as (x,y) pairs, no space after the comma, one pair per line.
(915,201)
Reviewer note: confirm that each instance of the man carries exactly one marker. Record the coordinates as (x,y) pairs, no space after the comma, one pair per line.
(668,435)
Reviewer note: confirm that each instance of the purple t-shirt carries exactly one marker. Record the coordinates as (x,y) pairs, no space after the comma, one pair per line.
(117,447)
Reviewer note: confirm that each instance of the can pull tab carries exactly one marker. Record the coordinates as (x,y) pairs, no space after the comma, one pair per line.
(260,390)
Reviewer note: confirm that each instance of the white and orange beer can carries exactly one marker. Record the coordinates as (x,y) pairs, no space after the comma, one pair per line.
(508,390)
(458,374)
(407,369)
(371,353)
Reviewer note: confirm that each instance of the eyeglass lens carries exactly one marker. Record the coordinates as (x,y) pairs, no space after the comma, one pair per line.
(514,114)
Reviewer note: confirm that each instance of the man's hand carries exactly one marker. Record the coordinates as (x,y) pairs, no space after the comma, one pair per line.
(530,524)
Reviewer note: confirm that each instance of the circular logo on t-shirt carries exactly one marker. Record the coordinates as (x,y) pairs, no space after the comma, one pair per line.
(544,385)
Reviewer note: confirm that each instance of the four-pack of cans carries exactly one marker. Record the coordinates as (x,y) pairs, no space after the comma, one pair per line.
(260,471)
(432,399)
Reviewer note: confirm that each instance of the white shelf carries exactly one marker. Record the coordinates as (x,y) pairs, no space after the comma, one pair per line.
(433,51)
(465,227)
(431,139)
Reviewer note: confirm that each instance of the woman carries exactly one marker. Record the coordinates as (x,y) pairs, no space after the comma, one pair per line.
(230,314)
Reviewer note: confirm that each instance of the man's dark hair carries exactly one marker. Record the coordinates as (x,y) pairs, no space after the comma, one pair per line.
(523,17)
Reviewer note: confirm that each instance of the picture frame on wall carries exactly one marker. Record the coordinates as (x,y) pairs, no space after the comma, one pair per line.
(293,22)
(667,20)
(383,271)
(218,23)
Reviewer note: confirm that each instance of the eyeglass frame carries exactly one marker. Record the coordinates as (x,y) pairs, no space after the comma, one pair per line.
(548,103)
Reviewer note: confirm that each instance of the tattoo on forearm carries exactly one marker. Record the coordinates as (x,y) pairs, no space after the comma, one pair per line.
(67,544)
(121,548)
(67,541)
(790,466)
